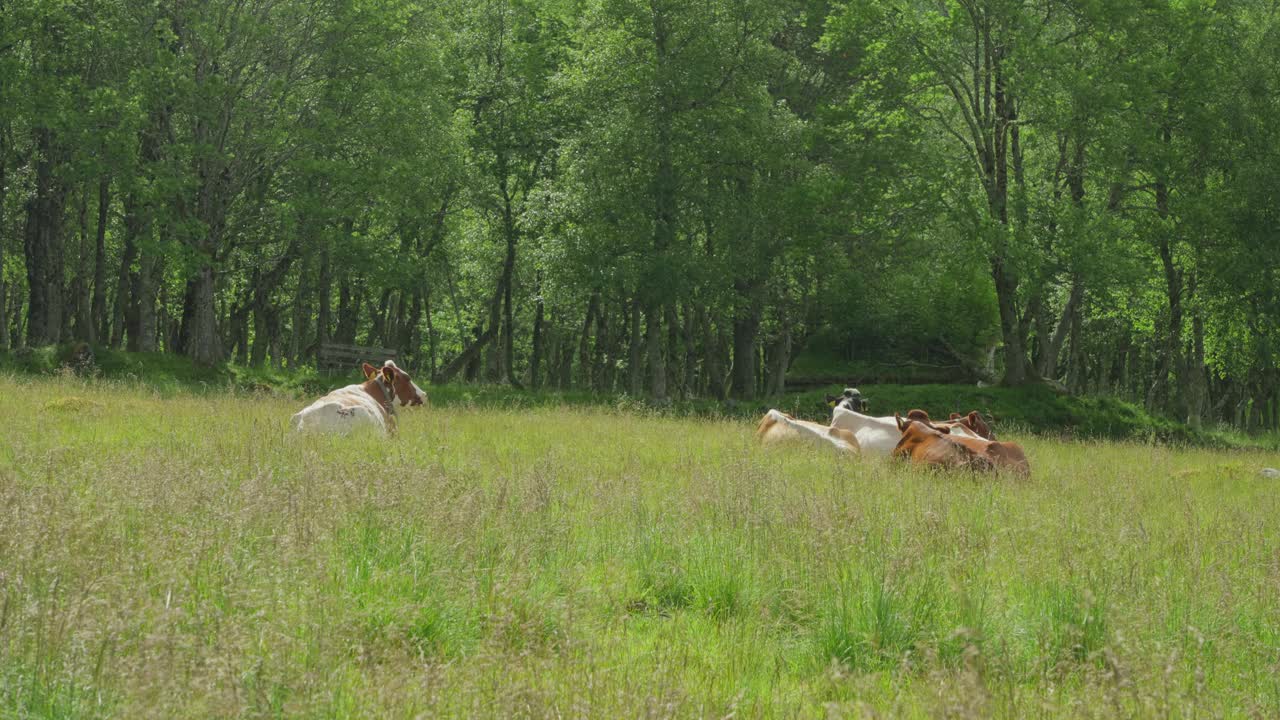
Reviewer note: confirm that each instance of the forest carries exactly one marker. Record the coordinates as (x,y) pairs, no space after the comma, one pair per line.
(664,198)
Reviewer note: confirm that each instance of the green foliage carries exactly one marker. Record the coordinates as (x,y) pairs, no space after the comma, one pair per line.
(676,201)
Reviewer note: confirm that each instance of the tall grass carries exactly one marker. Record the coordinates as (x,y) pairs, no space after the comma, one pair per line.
(183,555)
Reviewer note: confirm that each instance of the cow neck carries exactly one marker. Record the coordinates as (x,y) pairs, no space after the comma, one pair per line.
(384,389)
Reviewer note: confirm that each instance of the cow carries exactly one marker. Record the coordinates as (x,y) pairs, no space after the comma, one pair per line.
(970,425)
(407,391)
(369,404)
(943,445)
(776,427)
(876,436)
(850,399)
(926,444)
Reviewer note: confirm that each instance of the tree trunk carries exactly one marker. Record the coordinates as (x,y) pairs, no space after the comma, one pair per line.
(121,314)
(348,313)
(674,355)
(411,343)
(1077,379)
(1172,361)
(1196,389)
(508,336)
(713,348)
(584,342)
(1017,370)
(238,327)
(378,331)
(299,326)
(99,325)
(431,337)
(1051,343)
(136,293)
(635,378)
(653,352)
(200,340)
(691,323)
(603,359)
(77,291)
(779,360)
(324,294)
(19,330)
(564,370)
(4,187)
(746,328)
(1017,366)
(535,360)
(77,324)
(664,206)
(505,286)
(142,330)
(261,335)
(466,358)
(44,246)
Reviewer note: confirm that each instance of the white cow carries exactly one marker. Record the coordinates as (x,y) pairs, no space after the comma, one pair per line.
(879,435)
(876,436)
(368,404)
(778,427)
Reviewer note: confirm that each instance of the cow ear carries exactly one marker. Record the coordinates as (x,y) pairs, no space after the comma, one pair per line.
(974,417)
(369,371)
(918,415)
(955,416)
(388,374)
(902,424)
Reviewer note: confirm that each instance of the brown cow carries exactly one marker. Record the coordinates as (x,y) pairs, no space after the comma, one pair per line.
(974,422)
(930,444)
(924,443)
(971,424)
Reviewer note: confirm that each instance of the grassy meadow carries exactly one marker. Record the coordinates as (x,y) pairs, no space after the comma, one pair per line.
(173,555)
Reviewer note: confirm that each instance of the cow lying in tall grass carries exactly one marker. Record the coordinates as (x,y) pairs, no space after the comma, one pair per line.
(943,446)
(776,427)
(370,404)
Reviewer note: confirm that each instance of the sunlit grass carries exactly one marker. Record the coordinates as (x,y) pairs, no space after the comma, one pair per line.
(186,556)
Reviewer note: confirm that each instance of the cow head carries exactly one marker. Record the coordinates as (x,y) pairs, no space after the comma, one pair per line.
(922,418)
(406,389)
(384,378)
(850,399)
(974,422)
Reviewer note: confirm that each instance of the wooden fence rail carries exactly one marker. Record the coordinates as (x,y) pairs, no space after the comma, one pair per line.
(339,358)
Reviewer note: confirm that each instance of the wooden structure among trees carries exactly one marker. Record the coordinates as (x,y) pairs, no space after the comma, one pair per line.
(333,358)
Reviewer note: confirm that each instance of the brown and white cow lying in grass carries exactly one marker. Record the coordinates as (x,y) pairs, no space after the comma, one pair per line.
(776,427)
(369,404)
(968,425)
(924,443)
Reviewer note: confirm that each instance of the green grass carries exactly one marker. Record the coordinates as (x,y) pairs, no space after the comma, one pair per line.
(1037,409)
(179,554)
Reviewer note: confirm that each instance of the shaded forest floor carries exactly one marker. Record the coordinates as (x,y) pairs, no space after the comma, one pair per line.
(184,555)
(1036,409)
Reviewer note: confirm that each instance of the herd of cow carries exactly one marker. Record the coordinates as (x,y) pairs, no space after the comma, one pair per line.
(962,442)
